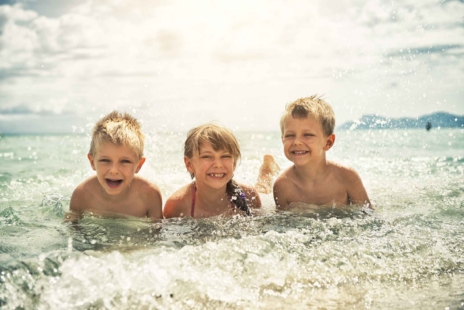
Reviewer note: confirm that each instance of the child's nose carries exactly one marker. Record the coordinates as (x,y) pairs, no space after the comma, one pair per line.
(217,162)
(114,169)
(297,140)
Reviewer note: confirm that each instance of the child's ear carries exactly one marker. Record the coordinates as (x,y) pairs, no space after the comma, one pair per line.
(329,142)
(188,165)
(140,164)
(92,163)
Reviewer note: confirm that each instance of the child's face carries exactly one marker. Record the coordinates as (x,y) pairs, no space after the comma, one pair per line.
(304,140)
(210,167)
(116,166)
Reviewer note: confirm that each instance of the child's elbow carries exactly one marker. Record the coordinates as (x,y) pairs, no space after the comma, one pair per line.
(255,202)
(169,210)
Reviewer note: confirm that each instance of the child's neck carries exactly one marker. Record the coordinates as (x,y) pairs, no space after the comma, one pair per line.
(115,198)
(311,172)
(210,196)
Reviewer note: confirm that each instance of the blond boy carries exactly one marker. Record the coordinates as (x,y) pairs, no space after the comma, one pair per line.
(307,128)
(116,154)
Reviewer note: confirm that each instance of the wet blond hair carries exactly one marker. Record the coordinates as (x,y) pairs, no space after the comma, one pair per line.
(219,137)
(120,129)
(313,106)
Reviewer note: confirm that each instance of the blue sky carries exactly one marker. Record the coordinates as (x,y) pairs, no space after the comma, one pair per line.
(176,64)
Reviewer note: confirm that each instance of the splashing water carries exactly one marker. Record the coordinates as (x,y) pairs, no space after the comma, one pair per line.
(407,254)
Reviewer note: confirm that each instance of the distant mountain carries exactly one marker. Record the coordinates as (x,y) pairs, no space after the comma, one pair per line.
(438,119)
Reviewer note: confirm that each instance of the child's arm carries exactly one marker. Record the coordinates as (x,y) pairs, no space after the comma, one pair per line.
(169,209)
(252,196)
(155,203)
(279,190)
(357,194)
(75,205)
(75,199)
(178,204)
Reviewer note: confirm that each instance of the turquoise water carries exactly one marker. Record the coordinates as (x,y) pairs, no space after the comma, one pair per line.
(409,254)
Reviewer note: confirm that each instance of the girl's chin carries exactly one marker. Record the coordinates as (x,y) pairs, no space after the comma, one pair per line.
(216,184)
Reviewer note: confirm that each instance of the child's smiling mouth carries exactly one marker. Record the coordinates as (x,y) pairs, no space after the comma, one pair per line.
(113,183)
(299,152)
(216,175)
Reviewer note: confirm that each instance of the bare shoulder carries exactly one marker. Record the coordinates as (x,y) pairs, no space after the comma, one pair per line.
(89,183)
(284,187)
(146,187)
(351,180)
(151,196)
(285,179)
(248,189)
(251,195)
(179,203)
(83,193)
(344,174)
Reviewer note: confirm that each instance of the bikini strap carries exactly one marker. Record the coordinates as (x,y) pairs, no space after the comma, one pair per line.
(192,209)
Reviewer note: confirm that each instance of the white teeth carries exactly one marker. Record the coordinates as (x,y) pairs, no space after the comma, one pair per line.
(217,175)
(299,152)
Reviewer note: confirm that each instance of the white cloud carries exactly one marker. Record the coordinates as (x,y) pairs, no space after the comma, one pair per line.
(220,59)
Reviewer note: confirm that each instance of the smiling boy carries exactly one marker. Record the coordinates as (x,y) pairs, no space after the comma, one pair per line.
(116,154)
(307,128)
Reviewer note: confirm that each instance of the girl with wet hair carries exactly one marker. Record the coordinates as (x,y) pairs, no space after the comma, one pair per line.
(211,153)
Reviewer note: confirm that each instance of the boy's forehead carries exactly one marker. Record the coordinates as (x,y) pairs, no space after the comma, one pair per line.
(110,147)
(294,123)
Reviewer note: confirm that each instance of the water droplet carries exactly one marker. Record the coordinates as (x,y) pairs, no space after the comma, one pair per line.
(70,241)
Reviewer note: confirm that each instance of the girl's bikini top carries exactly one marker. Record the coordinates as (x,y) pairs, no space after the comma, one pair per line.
(243,206)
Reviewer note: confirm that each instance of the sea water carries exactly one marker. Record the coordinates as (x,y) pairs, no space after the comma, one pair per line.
(407,254)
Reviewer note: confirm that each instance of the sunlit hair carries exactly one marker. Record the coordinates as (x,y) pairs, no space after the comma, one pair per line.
(219,137)
(314,107)
(120,129)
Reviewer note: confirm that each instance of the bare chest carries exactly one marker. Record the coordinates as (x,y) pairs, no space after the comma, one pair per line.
(131,206)
(329,192)
(225,208)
